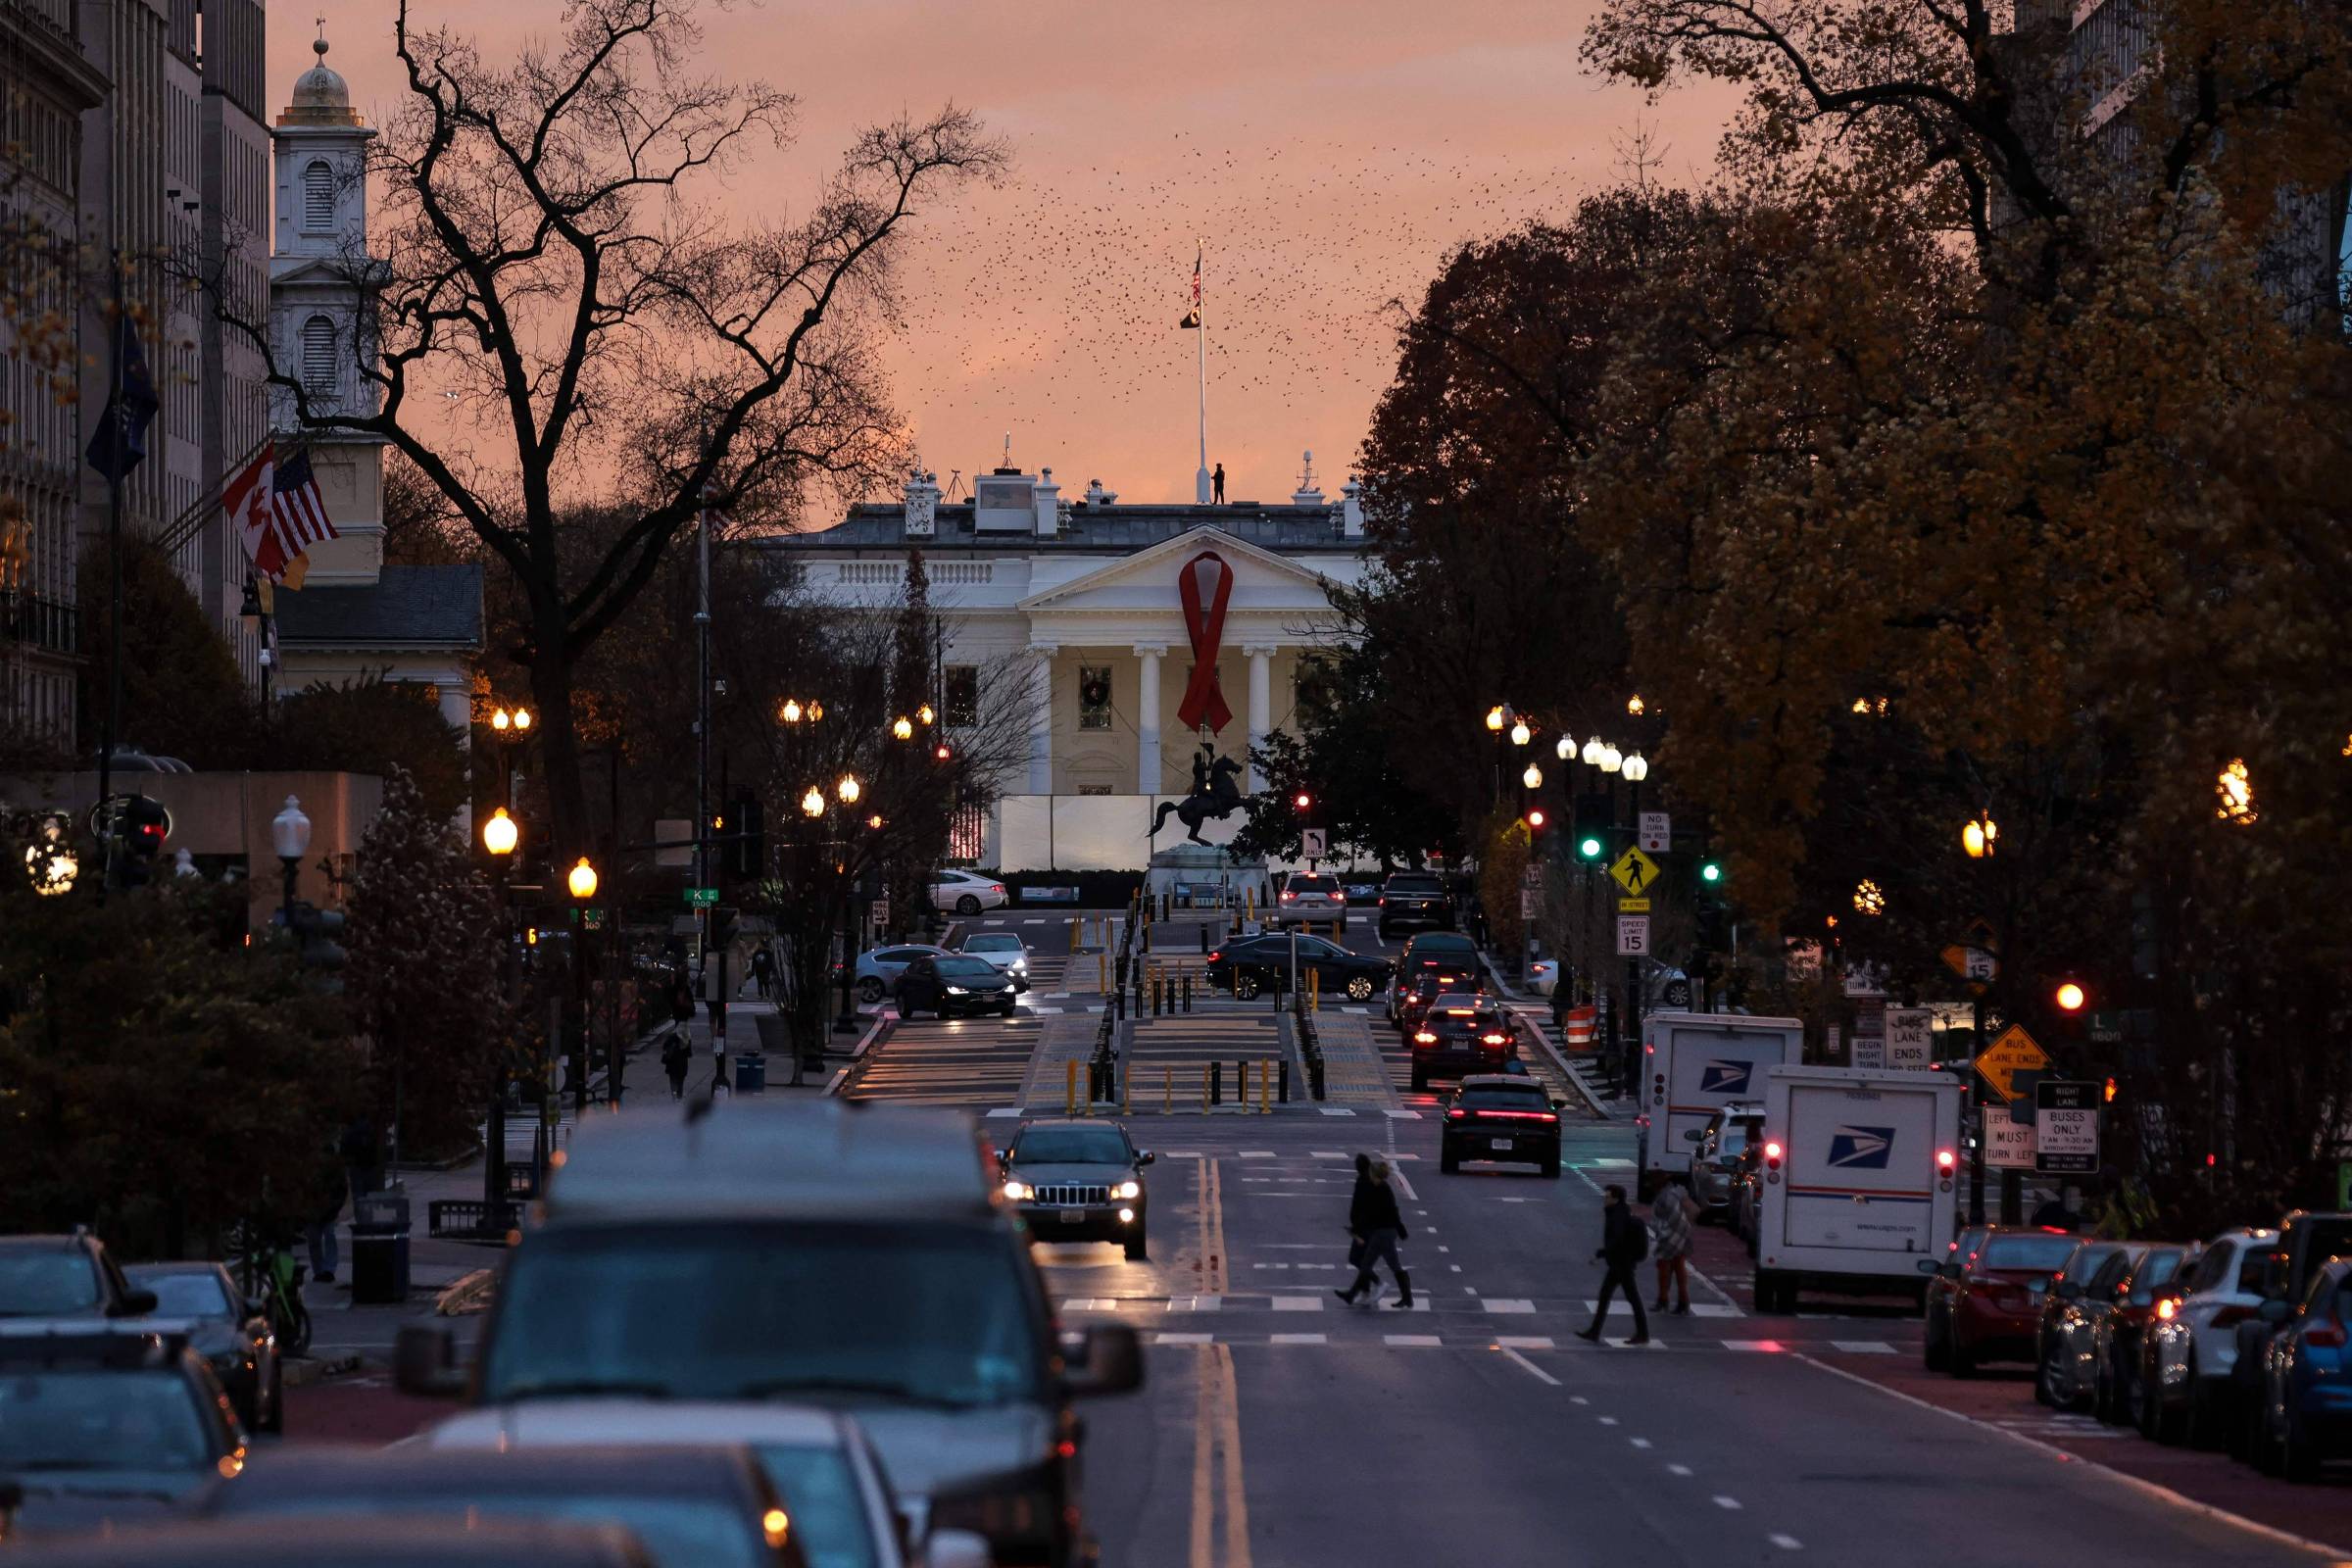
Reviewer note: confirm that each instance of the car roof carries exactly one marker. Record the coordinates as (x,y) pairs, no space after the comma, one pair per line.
(665,1423)
(46,1244)
(820,1158)
(1072,1121)
(706,1470)
(153,1270)
(372,1541)
(89,1341)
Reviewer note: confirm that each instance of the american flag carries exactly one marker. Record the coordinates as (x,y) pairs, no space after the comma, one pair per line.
(301,519)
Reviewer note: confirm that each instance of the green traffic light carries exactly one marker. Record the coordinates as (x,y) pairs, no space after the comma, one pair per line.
(1710,871)
(1589,848)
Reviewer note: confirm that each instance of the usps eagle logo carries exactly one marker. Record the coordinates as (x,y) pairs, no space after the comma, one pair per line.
(1725,1077)
(1861,1147)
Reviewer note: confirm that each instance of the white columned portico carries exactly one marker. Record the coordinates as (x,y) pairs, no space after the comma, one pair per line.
(1261,705)
(1146,717)
(1041,718)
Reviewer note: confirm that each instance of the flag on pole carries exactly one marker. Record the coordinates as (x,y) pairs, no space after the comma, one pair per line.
(246,500)
(301,519)
(121,439)
(1191,317)
(279,515)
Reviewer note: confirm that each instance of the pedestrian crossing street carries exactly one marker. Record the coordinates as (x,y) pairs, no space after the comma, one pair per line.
(974,1062)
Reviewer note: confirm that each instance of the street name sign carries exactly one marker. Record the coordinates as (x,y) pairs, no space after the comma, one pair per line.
(1910,1038)
(702,897)
(2015,1052)
(2066,1127)
(1634,870)
(1633,936)
(1633,906)
(1658,832)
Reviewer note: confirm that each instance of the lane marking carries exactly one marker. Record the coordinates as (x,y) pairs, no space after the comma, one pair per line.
(1639,1443)
(1864,1347)
(1414,1342)
(1682,1470)
(1406,1187)
(1217,1433)
(1607,1420)
(1507,1304)
(1725,1502)
(1183,1339)
(1298,1303)
(1530,1342)
(1298,1339)
(1787,1542)
(1530,1366)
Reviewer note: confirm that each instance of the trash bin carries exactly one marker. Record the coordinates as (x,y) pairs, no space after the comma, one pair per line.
(750,1073)
(379,1248)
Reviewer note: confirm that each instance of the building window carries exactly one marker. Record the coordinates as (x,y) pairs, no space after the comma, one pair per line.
(1093,697)
(318,357)
(963,695)
(318,198)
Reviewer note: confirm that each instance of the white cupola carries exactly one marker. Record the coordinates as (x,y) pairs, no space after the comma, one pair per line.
(321,151)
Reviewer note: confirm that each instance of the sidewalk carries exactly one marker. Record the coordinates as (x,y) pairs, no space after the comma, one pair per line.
(1581,1066)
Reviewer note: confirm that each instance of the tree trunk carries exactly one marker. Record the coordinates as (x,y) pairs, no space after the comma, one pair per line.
(559,740)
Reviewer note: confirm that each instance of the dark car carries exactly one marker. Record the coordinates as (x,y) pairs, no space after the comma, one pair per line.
(232,1335)
(2305,1418)
(2306,1242)
(350,1544)
(1253,964)
(1414,899)
(1448,957)
(65,1276)
(1460,1033)
(1501,1116)
(1944,1286)
(1990,1302)
(2116,1341)
(2079,1294)
(1078,1181)
(107,1427)
(706,1507)
(952,983)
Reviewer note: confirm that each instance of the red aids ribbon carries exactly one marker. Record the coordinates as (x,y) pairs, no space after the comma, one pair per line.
(1204,577)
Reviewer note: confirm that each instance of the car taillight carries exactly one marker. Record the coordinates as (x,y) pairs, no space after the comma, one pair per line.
(1772,1155)
(1496,1040)
(998,888)
(2327,1336)
(1456,1114)
(2168,1309)
(1423,1037)
(1287,894)
(1215,957)
(1945,1159)
(1381,903)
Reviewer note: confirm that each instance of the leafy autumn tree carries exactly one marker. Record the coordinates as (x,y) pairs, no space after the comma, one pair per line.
(422,980)
(164,1083)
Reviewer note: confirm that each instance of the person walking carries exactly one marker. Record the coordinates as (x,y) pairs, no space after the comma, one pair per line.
(763,969)
(334,1186)
(1622,1243)
(1357,1210)
(676,1057)
(1383,1229)
(1670,1244)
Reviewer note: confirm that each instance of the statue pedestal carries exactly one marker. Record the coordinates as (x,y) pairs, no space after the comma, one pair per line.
(1195,875)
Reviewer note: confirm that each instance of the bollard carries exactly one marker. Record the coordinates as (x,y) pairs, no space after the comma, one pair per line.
(1205,936)
(1212,1084)
(1167,1091)
(1069,1094)
(1240,1083)
(1283,1092)
(1076,926)
(1102,970)
(1314,990)
(1154,993)
(1188,990)
(1265,1089)
(1126,1090)
(1118,1003)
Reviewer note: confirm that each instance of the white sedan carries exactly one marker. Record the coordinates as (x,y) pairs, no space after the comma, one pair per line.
(963,893)
(1542,977)
(1002,949)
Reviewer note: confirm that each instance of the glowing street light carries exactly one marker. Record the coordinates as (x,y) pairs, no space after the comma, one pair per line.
(500,835)
(847,789)
(2235,789)
(813,803)
(1636,769)
(582,880)
(1520,734)
(1869,898)
(1611,760)
(1594,748)
(903,727)
(791,713)
(1565,747)
(1980,837)
(924,715)
(1533,778)
(1633,705)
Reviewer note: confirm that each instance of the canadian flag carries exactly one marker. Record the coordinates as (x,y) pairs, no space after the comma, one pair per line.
(247,501)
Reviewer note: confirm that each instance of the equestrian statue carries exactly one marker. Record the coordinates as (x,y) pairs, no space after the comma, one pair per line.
(1215,794)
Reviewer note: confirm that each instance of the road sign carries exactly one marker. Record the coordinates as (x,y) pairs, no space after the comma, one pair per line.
(2012,1054)
(593,919)
(2008,1144)
(1314,843)
(2066,1127)
(881,912)
(1910,1039)
(1970,963)
(1529,902)
(1633,936)
(702,897)
(1634,870)
(1633,906)
(1658,832)
(1865,980)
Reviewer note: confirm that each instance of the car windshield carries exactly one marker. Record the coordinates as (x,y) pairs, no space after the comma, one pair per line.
(180,1293)
(997,944)
(2033,1250)
(1504,1097)
(828,1512)
(1303,883)
(678,1532)
(952,967)
(2157,1269)
(1739,1134)
(920,1313)
(100,1420)
(2254,1272)
(1070,1146)
(48,1283)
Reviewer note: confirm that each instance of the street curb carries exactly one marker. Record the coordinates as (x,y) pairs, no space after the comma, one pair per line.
(468,1294)
(839,1084)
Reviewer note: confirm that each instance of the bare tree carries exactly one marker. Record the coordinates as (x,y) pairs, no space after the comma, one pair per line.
(546,275)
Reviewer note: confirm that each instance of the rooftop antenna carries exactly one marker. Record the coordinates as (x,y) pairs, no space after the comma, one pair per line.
(1008,449)
(955,484)
(1306,480)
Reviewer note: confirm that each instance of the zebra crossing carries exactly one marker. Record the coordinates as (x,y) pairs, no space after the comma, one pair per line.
(1168,1059)
(977,1062)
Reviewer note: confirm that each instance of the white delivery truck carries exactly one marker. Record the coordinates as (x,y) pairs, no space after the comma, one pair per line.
(1859,1184)
(1692,1066)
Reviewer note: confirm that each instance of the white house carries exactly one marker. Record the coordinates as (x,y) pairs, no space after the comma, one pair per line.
(1090,597)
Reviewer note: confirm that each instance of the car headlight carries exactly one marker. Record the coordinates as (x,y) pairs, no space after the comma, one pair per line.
(1020,966)
(1019,1191)
(1128,1190)
(957,990)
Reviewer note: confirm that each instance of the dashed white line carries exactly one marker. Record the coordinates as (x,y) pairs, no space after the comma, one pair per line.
(1299,1339)
(1578,1398)
(1607,1420)
(1414,1342)
(1787,1542)
(1726,1501)
(1681,1470)
(1639,1443)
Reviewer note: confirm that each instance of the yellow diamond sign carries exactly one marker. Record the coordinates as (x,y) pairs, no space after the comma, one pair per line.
(2012,1054)
(1634,870)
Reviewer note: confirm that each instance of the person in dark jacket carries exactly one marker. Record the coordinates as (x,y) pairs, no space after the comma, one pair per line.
(1623,1244)
(675,1056)
(1356,1201)
(1383,1228)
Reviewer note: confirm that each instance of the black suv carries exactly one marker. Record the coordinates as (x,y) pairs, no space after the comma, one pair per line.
(1414,899)
(1501,1116)
(65,1276)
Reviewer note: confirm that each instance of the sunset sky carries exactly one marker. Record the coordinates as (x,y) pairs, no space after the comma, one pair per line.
(1329,154)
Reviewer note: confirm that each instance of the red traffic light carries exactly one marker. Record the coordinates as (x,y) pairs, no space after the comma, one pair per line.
(1535,817)
(2070,997)
(943,752)
(1303,801)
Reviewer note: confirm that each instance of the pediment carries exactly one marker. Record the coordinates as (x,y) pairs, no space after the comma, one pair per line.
(1149,576)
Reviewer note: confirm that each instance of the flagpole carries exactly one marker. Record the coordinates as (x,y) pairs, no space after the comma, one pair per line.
(1200,490)
(114,572)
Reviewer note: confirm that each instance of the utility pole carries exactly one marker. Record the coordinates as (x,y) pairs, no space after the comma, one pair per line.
(701,732)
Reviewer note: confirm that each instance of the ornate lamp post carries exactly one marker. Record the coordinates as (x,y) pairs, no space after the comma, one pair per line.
(500,836)
(290,837)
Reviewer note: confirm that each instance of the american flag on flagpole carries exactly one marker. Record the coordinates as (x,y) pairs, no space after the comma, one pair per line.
(301,519)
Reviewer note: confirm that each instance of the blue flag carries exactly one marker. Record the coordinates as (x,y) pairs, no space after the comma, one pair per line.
(120,440)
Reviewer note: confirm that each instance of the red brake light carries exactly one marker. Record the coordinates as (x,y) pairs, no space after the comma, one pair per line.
(1944,1159)
(1495,1040)
(1771,1151)
(1215,957)
(1456,1113)
(2327,1337)
(1286,894)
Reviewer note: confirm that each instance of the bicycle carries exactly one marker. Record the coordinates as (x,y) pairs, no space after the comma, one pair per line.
(274,1277)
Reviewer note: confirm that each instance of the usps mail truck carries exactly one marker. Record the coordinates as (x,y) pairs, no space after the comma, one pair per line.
(1692,1066)
(1860,1182)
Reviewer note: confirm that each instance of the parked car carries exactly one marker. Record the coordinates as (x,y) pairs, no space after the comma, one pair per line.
(2082,1292)
(965,893)
(1504,1117)
(1079,1181)
(950,983)
(2115,1350)
(1936,1303)
(879,968)
(2306,1414)
(1990,1302)
(1458,1034)
(1308,899)
(1002,949)
(1542,977)
(1254,963)
(232,1333)
(2186,1355)
(344,1542)
(1747,1178)
(1715,1157)
(1414,899)
(65,1276)
(2306,1240)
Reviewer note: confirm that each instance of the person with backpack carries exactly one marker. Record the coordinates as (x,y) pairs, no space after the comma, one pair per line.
(1624,1243)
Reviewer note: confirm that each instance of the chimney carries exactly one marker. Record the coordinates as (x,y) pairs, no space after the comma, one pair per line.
(1046,497)
(1097,496)
(922,504)
(1351,509)
(1307,495)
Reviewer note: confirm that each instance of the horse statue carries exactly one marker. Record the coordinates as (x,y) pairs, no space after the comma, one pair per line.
(1215,794)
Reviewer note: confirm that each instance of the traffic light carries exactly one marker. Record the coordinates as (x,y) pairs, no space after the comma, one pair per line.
(1714,925)
(1535,819)
(747,850)
(1710,873)
(1592,828)
(1302,801)
(142,825)
(943,753)
(2070,996)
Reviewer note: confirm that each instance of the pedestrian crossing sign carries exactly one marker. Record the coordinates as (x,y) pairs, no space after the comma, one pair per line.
(1634,870)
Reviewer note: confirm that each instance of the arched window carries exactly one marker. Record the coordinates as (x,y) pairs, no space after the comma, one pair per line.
(318,357)
(318,198)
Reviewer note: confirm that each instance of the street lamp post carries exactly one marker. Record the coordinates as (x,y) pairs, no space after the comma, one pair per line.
(581,882)
(290,837)
(500,836)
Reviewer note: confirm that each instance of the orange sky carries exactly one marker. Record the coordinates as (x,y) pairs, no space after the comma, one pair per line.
(1330,153)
